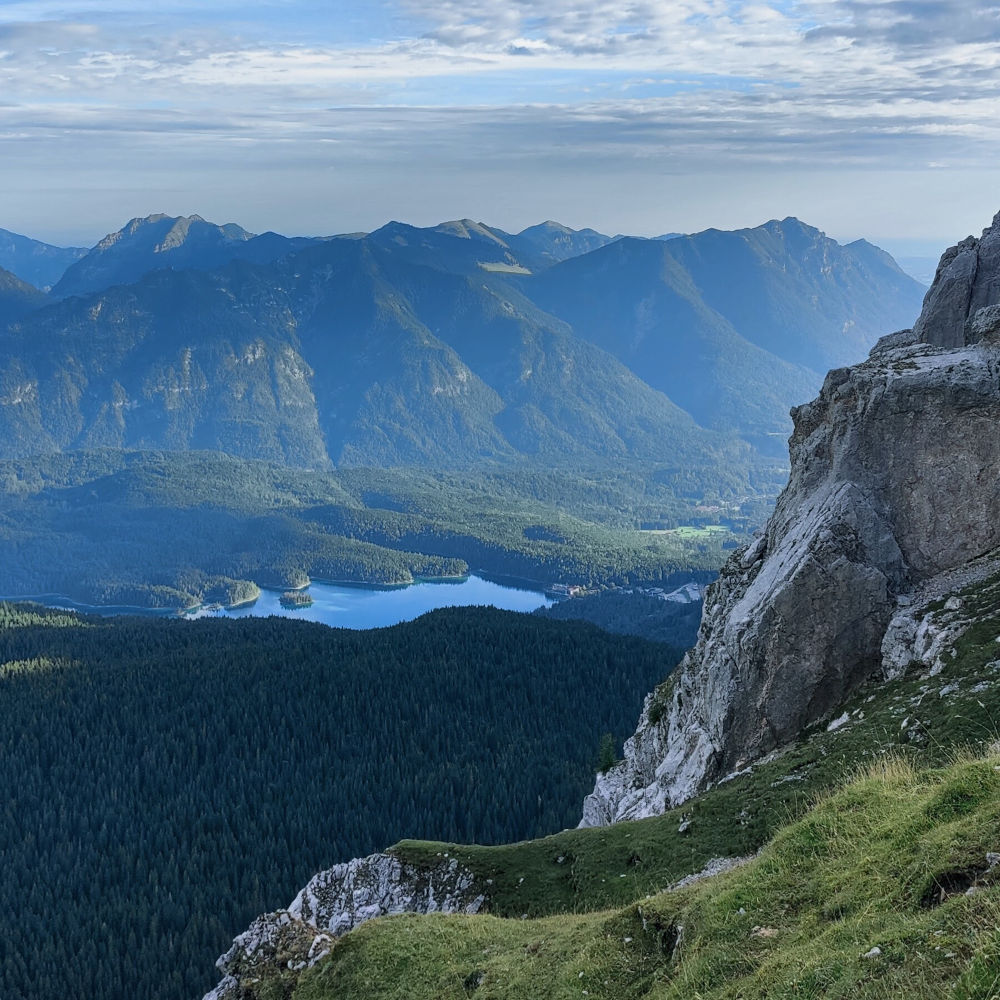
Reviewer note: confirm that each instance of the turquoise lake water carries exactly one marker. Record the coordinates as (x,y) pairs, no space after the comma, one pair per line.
(364,607)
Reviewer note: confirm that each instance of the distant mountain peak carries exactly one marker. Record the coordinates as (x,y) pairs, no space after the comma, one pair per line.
(550,226)
(39,264)
(466,229)
(791,225)
(175,230)
(552,242)
(159,240)
(865,248)
(132,227)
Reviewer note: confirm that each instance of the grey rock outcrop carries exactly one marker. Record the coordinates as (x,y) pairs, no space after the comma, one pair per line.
(929,622)
(336,901)
(959,308)
(895,480)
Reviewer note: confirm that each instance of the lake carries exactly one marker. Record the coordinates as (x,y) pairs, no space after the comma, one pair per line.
(366,607)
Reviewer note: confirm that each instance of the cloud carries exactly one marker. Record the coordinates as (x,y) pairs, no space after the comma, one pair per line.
(825,44)
(583,85)
(753,83)
(906,25)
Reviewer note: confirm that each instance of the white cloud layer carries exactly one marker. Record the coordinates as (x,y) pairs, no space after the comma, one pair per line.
(662,90)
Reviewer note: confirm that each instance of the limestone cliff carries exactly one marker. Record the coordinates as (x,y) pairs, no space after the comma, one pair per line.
(895,481)
(334,902)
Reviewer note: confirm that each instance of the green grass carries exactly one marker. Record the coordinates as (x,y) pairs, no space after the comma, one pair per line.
(883,863)
(736,817)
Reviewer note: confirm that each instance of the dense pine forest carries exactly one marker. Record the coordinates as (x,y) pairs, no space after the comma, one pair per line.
(162,782)
(629,613)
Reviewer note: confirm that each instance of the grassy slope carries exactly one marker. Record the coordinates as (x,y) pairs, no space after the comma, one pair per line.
(835,881)
(884,863)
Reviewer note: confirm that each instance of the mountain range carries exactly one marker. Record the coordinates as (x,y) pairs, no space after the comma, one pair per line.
(40,264)
(439,347)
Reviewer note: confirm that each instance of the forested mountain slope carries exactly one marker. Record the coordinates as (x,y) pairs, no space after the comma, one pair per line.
(441,346)
(176,529)
(340,353)
(40,264)
(758,315)
(162,780)
(17,298)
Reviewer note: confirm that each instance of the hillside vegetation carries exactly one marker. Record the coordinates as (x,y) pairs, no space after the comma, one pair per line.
(172,529)
(867,895)
(164,781)
(884,862)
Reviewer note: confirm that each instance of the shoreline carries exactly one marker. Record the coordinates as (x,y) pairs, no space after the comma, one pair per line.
(66,603)
(206,609)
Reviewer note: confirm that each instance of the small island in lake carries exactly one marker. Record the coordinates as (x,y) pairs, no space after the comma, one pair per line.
(296,599)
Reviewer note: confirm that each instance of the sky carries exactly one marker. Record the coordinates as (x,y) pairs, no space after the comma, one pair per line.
(874,118)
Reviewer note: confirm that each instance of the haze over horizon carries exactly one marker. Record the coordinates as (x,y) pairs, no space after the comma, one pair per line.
(873,118)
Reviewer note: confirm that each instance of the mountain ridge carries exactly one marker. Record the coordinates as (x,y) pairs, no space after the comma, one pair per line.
(509,362)
(39,264)
(157,241)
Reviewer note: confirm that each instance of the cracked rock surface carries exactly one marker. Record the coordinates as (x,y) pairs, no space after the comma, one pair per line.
(895,480)
(334,902)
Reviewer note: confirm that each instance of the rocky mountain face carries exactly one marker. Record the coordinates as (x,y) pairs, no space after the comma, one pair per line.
(171,359)
(335,902)
(440,346)
(963,304)
(894,488)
